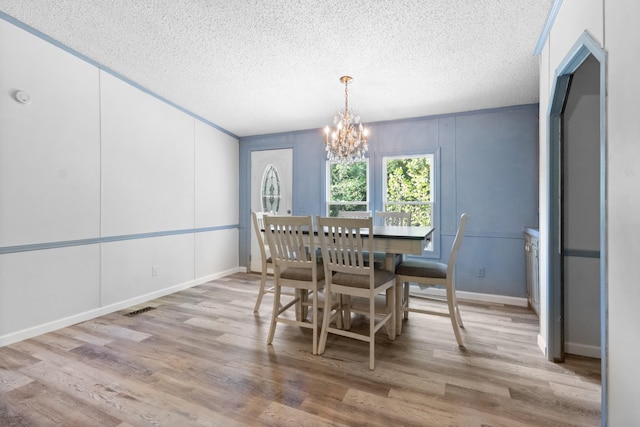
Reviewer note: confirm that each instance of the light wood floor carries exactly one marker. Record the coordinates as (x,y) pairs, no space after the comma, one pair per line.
(200,358)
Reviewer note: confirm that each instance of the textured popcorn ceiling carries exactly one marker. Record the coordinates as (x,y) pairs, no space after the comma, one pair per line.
(255,67)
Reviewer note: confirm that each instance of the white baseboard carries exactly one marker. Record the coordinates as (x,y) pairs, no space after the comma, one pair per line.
(573,348)
(582,350)
(101,311)
(542,344)
(474,296)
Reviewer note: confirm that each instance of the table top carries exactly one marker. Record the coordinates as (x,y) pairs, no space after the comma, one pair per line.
(402,232)
(394,239)
(398,232)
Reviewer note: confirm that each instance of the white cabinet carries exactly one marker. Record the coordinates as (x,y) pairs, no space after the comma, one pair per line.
(532,269)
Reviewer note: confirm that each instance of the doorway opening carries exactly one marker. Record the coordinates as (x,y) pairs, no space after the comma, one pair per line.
(577,262)
(580,213)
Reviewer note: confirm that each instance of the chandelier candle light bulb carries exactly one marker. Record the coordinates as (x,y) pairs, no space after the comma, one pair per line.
(348,142)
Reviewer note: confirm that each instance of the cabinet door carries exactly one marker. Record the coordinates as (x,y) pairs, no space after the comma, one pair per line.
(531,271)
(535,280)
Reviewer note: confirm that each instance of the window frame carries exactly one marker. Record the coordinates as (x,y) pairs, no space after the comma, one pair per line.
(327,192)
(432,251)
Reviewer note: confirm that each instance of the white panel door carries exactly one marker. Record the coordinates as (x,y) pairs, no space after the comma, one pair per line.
(271,189)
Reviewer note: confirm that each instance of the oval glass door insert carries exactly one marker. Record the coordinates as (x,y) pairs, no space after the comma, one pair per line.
(271,189)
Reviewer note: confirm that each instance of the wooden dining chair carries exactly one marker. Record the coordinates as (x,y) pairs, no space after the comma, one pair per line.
(265,258)
(294,266)
(348,275)
(390,218)
(428,273)
(393,218)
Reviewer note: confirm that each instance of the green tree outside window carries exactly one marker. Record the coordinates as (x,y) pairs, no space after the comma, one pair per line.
(347,187)
(408,188)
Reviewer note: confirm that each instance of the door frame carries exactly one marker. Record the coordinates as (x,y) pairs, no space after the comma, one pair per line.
(584,47)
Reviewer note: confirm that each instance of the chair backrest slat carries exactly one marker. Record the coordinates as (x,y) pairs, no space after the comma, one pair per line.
(344,247)
(289,241)
(258,226)
(456,244)
(354,214)
(393,218)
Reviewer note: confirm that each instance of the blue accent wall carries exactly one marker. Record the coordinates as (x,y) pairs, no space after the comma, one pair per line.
(487,166)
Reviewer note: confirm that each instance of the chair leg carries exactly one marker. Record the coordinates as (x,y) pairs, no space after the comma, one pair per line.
(304,307)
(458,315)
(345,304)
(457,310)
(398,307)
(391,308)
(453,315)
(301,311)
(339,319)
(314,300)
(326,317)
(263,281)
(372,333)
(275,313)
(405,299)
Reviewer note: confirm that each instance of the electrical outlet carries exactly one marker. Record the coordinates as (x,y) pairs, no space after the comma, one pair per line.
(481,272)
(154,270)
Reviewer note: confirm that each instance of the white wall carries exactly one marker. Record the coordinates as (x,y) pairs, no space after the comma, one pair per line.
(40,288)
(147,162)
(49,149)
(49,182)
(623,133)
(216,200)
(216,177)
(574,17)
(101,185)
(620,42)
(543,204)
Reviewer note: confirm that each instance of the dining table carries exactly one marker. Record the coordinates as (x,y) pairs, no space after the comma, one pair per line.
(396,240)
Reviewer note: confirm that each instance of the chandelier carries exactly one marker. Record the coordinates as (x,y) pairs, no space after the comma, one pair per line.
(347,143)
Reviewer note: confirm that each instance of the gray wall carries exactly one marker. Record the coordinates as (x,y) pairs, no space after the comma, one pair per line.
(581,212)
(488,165)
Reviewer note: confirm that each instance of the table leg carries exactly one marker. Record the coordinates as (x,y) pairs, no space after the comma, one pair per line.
(391,326)
(390,264)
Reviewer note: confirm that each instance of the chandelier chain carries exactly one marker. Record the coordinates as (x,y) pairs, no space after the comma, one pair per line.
(346,96)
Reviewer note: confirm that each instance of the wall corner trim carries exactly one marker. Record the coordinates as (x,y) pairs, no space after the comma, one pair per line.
(553,12)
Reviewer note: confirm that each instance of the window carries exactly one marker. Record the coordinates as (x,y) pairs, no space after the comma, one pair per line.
(408,187)
(347,187)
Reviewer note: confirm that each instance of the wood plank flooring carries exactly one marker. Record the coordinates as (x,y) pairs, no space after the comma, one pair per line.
(200,359)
